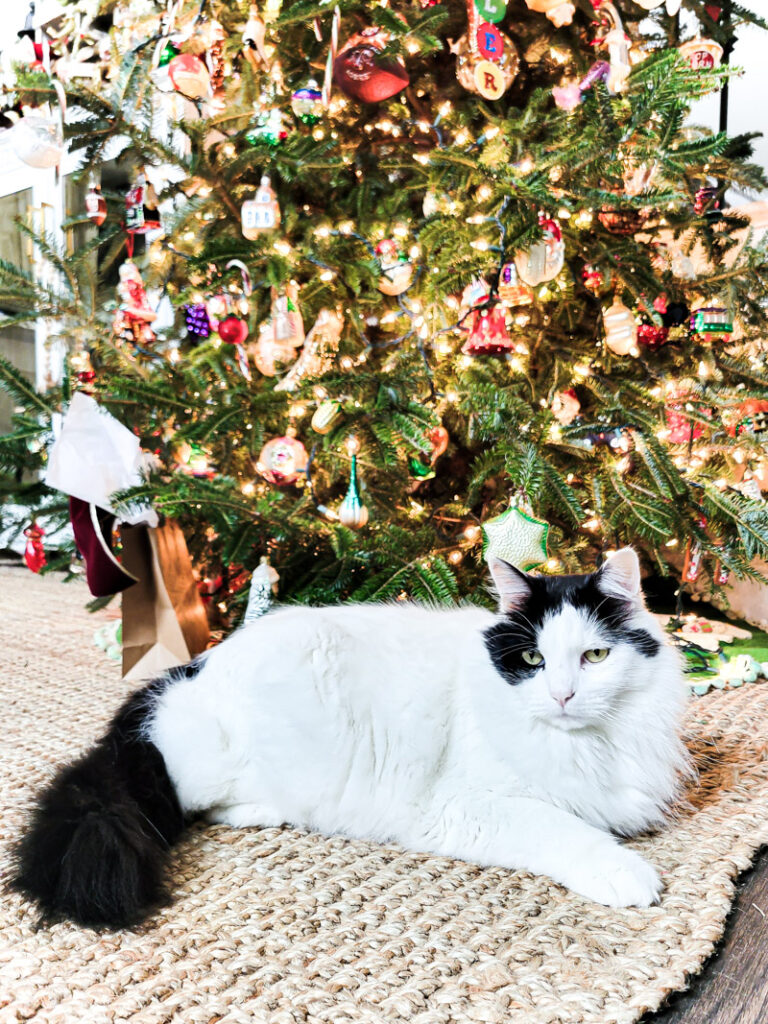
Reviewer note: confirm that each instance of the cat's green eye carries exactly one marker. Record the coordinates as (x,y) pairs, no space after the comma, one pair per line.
(596,654)
(532,657)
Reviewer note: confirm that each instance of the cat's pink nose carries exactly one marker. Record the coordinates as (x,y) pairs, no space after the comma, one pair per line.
(563,700)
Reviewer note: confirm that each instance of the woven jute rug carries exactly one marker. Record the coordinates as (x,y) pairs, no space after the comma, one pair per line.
(278,926)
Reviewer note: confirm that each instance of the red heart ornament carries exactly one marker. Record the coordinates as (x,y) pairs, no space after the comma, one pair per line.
(233,330)
(362,75)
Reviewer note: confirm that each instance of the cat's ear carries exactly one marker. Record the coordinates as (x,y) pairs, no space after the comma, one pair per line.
(511,584)
(620,576)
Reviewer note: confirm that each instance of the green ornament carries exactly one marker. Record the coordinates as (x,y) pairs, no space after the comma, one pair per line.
(352,512)
(491,10)
(517,538)
(421,471)
(269,128)
(168,52)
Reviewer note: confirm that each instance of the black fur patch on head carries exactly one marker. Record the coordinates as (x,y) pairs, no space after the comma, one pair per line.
(518,631)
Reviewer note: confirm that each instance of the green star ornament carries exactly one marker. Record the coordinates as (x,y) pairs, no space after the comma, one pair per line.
(517,537)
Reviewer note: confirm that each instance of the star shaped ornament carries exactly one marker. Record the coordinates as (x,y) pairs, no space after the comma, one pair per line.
(517,537)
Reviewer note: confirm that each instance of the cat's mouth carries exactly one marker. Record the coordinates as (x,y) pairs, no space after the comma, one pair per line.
(568,720)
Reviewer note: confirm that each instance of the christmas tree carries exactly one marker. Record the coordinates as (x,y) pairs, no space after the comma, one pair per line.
(394,282)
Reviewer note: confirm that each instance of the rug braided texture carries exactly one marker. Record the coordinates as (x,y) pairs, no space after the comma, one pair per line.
(275,925)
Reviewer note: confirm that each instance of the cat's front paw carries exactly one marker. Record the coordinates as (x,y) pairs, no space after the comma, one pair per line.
(618,877)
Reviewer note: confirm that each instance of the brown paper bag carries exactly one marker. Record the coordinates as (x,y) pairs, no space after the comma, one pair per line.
(164,619)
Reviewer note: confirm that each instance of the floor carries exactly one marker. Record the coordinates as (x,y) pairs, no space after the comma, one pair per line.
(733,988)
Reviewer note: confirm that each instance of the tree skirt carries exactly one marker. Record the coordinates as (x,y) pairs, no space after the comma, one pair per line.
(279,926)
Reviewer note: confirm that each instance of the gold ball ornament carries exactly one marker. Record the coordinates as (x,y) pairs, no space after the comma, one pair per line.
(517,538)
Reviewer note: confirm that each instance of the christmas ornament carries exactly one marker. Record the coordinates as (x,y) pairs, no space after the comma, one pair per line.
(626,221)
(326,416)
(491,10)
(134,314)
(228,312)
(282,460)
(593,278)
(396,268)
(681,429)
(490,42)
(269,127)
(281,333)
(262,213)
(489,78)
(34,552)
(569,96)
(692,562)
(487,333)
(511,291)
(617,42)
(681,265)
(421,470)
(190,76)
(196,320)
(750,417)
(307,103)
(652,336)
(141,214)
(254,39)
(319,350)
(352,512)
(167,53)
(706,201)
(702,54)
(193,460)
(37,139)
(544,260)
(712,322)
(474,294)
(566,406)
(517,537)
(438,438)
(96,206)
(620,328)
(82,368)
(559,13)
(233,330)
(362,75)
(263,587)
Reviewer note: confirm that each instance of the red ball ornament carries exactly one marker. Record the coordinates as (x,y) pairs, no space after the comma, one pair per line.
(232,330)
(652,336)
(362,75)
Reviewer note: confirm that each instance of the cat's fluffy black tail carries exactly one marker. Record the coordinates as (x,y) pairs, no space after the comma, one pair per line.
(97,847)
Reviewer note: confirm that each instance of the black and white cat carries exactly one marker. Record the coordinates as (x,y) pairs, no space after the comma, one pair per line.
(521,739)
